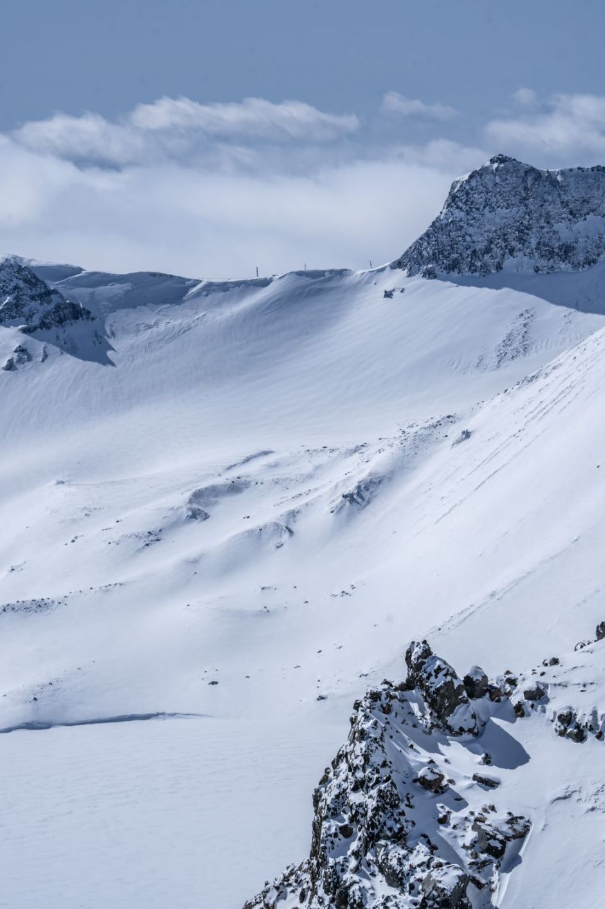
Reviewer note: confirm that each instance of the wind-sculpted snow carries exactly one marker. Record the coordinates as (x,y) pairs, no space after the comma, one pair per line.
(402,818)
(510,215)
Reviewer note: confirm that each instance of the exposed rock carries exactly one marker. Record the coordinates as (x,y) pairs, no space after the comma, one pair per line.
(600,633)
(489,839)
(445,888)
(567,725)
(489,782)
(373,846)
(534,692)
(476,682)
(20,356)
(431,779)
(495,693)
(442,689)
(508,214)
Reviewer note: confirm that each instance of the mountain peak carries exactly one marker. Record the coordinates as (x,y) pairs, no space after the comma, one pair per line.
(507,214)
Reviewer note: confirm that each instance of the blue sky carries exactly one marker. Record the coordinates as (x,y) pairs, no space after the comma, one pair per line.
(203,136)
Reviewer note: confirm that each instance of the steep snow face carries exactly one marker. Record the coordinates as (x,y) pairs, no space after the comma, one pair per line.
(510,215)
(28,302)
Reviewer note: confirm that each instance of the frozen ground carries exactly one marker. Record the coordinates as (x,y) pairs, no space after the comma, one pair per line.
(272,485)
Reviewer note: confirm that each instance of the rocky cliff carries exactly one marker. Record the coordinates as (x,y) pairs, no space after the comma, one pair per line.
(510,215)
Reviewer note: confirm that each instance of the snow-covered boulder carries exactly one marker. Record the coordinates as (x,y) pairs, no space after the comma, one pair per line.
(476,683)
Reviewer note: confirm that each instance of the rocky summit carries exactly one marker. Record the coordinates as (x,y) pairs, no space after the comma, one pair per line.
(511,215)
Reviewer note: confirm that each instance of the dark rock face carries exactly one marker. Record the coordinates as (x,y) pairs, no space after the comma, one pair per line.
(442,689)
(27,302)
(476,683)
(600,632)
(510,215)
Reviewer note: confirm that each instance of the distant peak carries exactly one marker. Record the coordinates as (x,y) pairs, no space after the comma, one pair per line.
(507,214)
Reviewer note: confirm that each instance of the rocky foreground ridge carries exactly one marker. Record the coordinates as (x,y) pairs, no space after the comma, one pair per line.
(507,214)
(404,820)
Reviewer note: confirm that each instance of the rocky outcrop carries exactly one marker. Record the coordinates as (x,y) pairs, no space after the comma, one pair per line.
(390,830)
(510,215)
(400,820)
(29,303)
(443,692)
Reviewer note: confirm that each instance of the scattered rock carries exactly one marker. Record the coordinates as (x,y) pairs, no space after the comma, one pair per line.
(489,782)
(431,779)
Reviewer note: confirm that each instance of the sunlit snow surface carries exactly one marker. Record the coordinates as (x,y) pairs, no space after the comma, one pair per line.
(274,485)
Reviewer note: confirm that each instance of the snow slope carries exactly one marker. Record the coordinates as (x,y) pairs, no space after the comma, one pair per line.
(272,485)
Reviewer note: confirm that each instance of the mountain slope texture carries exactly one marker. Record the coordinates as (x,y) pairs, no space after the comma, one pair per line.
(233,510)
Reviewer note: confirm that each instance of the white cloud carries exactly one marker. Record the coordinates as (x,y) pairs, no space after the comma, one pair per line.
(394,103)
(88,138)
(570,126)
(254,117)
(180,129)
(212,223)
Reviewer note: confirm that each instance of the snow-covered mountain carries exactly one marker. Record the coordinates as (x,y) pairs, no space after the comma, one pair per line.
(228,508)
(510,215)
